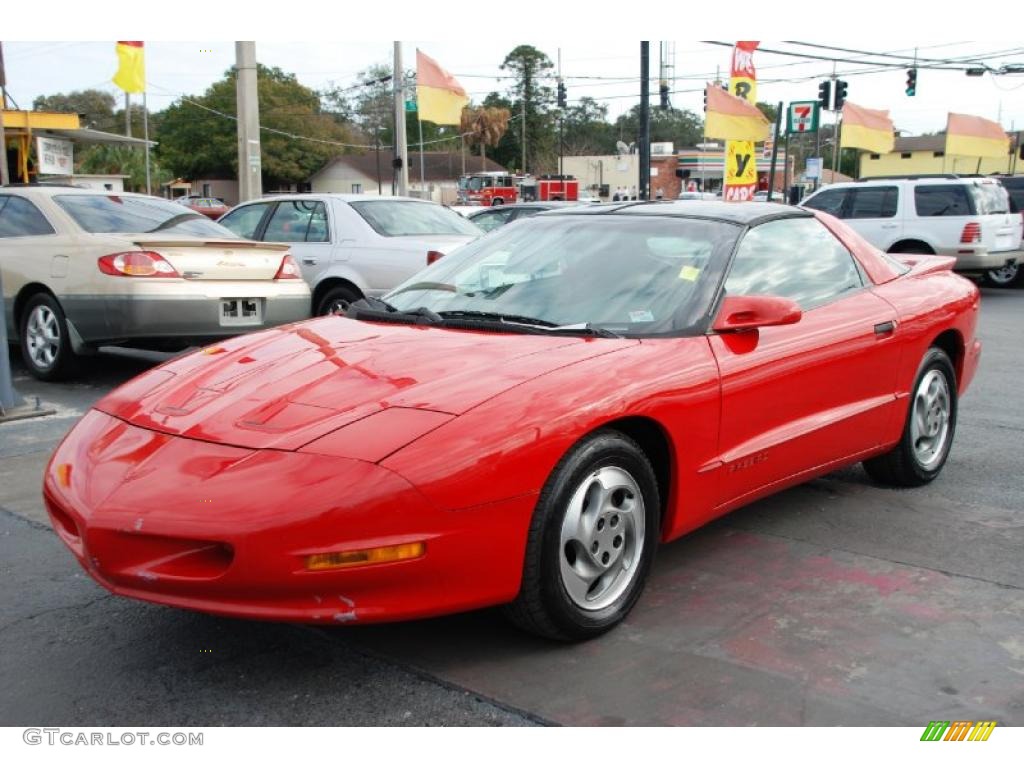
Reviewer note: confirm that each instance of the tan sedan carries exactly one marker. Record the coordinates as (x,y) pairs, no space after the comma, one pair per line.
(82,268)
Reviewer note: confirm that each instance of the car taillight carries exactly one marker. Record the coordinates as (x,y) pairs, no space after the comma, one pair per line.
(433,256)
(136,264)
(971,233)
(289,269)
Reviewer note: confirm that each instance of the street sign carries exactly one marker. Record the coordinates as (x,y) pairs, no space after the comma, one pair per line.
(803,117)
(813,168)
(410,105)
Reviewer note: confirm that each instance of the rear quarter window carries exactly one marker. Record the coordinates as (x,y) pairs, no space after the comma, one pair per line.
(943,200)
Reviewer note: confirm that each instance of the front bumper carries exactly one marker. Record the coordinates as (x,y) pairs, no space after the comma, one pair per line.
(194,315)
(226,530)
(981,259)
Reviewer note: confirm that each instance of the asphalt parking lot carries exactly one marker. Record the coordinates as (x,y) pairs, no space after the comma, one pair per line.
(834,603)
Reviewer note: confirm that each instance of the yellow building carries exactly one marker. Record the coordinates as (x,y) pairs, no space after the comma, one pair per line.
(917,155)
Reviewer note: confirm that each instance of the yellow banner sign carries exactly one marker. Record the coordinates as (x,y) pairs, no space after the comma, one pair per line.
(740,159)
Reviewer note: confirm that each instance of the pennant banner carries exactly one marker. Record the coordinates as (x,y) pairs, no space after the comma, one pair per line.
(975,137)
(740,162)
(869,129)
(131,71)
(439,95)
(729,117)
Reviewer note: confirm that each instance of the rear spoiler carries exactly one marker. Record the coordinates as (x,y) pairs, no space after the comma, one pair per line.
(181,242)
(924,265)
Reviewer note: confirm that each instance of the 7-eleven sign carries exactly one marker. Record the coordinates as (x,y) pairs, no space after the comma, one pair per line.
(803,117)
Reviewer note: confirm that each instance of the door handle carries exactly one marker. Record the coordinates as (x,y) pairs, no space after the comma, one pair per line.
(884,329)
(308,260)
(890,226)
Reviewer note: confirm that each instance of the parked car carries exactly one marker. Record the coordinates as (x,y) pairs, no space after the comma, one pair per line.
(351,246)
(522,422)
(211,207)
(497,216)
(1010,274)
(82,269)
(686,195)
(965,217)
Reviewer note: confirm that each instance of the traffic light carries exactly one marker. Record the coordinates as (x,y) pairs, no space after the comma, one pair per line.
(911,82)
(840,94)
(705,99)
(562,102)
(663,91)
(825,94)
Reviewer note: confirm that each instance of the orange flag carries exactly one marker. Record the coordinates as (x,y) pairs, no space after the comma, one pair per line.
(975,137)
(732,118)
(439,96)
(865,128)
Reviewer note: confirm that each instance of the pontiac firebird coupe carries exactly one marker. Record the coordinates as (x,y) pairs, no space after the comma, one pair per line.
(523,422)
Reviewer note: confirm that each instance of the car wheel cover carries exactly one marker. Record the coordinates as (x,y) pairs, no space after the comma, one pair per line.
(42,336)
(929,420)
(1004,275)
(602,538)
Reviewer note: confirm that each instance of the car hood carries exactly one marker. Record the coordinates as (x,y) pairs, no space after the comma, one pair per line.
(286,387)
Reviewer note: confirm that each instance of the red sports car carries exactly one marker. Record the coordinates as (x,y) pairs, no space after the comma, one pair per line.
(523,422)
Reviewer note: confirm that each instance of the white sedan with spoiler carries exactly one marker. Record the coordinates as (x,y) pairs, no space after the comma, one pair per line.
(82,269)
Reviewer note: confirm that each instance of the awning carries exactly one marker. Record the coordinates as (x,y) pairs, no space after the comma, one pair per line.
(91,136)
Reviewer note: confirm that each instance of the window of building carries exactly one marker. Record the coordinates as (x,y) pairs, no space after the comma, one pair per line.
(938,154)
(906,155)
(875,156)
(797,259)
(357,189)
(20,218)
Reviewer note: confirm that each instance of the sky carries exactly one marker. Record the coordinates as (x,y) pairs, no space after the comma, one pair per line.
(175,68)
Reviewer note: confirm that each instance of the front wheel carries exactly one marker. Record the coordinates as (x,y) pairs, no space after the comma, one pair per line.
(928,432)
(336,300)
(1003,277)
(591,542)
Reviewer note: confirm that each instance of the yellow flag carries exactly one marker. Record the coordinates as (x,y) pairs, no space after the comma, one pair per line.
(131,70)
(439,97)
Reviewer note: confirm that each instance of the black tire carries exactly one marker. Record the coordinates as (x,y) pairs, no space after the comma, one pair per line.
(497,201)
(333,298)
(902,466)
(64,361)
(544,606)
(1005,277)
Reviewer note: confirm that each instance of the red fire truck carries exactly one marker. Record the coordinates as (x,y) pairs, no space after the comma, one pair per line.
(496,188)
(493,188)
(549,187)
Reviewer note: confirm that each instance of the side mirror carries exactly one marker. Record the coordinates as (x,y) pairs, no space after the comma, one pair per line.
(745,313)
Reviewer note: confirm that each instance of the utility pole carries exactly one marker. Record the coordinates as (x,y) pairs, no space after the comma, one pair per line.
(250,162)
(561,118)
(522,125)
(127,114)
(401,144)
(145,137)
(835,126)
(4,175)
(645,120)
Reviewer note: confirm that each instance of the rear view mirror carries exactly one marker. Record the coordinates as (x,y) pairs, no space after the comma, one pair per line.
(745,313)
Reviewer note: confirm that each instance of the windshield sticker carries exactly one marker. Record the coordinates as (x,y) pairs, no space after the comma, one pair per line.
(689,273)
(641,316)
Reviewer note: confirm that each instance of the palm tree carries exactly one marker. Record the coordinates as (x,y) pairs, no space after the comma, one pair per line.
(485,127)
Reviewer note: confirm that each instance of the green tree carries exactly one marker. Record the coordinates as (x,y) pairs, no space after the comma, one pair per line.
(586,130)
(198,136)
(95,107)
(530,67)
(680,126)
(131,161)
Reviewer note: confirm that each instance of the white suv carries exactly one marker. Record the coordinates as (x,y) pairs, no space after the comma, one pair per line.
(967,218)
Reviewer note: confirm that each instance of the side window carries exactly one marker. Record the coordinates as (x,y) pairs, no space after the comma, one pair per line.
(245,220)
(20,218)
(942,200)
(492,219)
(830,201)
(873,203)
(797,259)
(297,221)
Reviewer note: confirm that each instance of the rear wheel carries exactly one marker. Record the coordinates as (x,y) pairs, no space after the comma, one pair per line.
(497,201)
(45,344)
(1003,277)
(911,246)
(336,300)
(591,542)
(928,432)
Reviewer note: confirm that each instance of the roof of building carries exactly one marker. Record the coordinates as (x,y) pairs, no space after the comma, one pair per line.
(437,166)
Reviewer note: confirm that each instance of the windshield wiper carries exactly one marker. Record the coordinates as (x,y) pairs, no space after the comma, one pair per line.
(175,220)
(361,309)
(500,316)
(426,287)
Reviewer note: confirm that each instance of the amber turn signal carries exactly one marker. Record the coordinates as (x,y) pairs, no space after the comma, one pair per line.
(329,560)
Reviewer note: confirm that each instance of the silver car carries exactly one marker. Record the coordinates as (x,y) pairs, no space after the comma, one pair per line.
(83,269)
(351,246)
